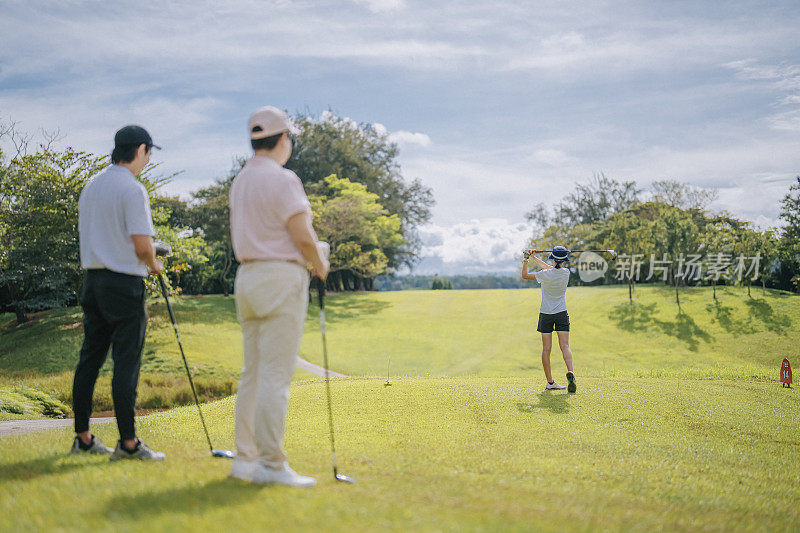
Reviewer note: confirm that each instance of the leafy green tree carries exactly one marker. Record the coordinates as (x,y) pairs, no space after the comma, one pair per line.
(789,246)
(573,237)
(363,154)
(40,264)
(676,232)
(654,228)
(441,284)
(358,229)
(682,195)
(576,219)
(594,201)
(40,255)
(752,243)
(630,233)
(209,216)
(718,238)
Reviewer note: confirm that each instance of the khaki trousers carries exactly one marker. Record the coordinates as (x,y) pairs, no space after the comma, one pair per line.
(271,303)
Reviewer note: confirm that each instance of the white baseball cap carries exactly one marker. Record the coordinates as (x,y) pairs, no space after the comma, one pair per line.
(269,121)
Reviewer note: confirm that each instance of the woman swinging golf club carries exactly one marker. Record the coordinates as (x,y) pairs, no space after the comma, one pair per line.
(553,313)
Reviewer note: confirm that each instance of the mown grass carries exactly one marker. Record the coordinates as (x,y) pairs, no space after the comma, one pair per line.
(456,453)
(437,333)
(494,332)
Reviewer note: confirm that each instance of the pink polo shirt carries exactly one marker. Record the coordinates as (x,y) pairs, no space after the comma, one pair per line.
(264,196)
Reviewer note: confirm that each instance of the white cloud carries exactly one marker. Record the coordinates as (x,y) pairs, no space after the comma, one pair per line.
(782,79)
(382,6)
(404,138)
(379,128)
(552,157)
(785,76)
(788,120)
(480,245)
(557,90)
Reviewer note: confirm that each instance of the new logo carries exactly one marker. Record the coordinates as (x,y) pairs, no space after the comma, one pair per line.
(591,266)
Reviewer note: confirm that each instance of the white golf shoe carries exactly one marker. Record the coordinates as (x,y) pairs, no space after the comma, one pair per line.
(554,386)
(142,452)
(282,476)
(244,470)
(95,447)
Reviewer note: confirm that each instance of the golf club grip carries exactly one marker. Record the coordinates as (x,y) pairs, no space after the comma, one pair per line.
(321,293)
(166,300)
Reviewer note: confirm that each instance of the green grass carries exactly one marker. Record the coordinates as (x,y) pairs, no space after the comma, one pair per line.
(493,333)
(437,333)
(459,453)
(679,423)
(26,403)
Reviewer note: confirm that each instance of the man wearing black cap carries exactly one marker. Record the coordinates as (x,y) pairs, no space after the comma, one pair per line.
(116,242)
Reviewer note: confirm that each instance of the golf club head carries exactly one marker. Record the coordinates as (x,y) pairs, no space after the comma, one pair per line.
(344,479)
(163,249)
(226,454)
(613,254)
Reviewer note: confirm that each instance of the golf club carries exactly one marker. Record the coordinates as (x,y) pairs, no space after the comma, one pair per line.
(164,250)
(321,293)
(612,253)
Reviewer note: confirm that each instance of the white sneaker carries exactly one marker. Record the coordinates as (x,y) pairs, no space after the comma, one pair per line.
(282,476)
(554,386)
(141,453)
(96,447)
(243,470)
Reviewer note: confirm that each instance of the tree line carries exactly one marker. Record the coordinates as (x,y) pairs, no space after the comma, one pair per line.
(457,282)
(672,229)
(362,206)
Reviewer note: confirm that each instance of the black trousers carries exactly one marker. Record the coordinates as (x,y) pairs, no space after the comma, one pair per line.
(114,314)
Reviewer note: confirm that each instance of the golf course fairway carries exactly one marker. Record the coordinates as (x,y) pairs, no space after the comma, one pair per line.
(474,454)
(678,424)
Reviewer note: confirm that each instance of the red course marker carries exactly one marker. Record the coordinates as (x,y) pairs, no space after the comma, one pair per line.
(786,374)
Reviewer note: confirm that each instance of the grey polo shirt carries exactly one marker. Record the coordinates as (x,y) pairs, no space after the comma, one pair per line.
(554,283)
(112,207)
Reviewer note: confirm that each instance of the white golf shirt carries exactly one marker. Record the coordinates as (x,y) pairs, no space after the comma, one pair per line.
(554,289)
(112,207)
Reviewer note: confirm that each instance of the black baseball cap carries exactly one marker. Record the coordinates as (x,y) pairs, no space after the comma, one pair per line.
(134,136)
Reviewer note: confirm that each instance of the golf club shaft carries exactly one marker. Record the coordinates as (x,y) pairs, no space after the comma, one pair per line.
(185,364)
(574,251)
(321,294)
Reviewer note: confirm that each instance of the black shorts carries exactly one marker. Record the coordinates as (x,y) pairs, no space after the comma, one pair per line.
(557,321)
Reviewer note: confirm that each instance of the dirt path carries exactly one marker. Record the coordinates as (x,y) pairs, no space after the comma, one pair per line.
(316,369)
(19,427)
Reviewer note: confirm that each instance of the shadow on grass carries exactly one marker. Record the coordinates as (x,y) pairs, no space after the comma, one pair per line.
(50,465)
(633,316)
(636,317)
(191,499)
(762,311)
(354,306)
(723,316)
(215,309)
(554,402)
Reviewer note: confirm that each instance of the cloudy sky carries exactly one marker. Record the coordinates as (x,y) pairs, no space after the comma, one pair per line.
(497,106)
